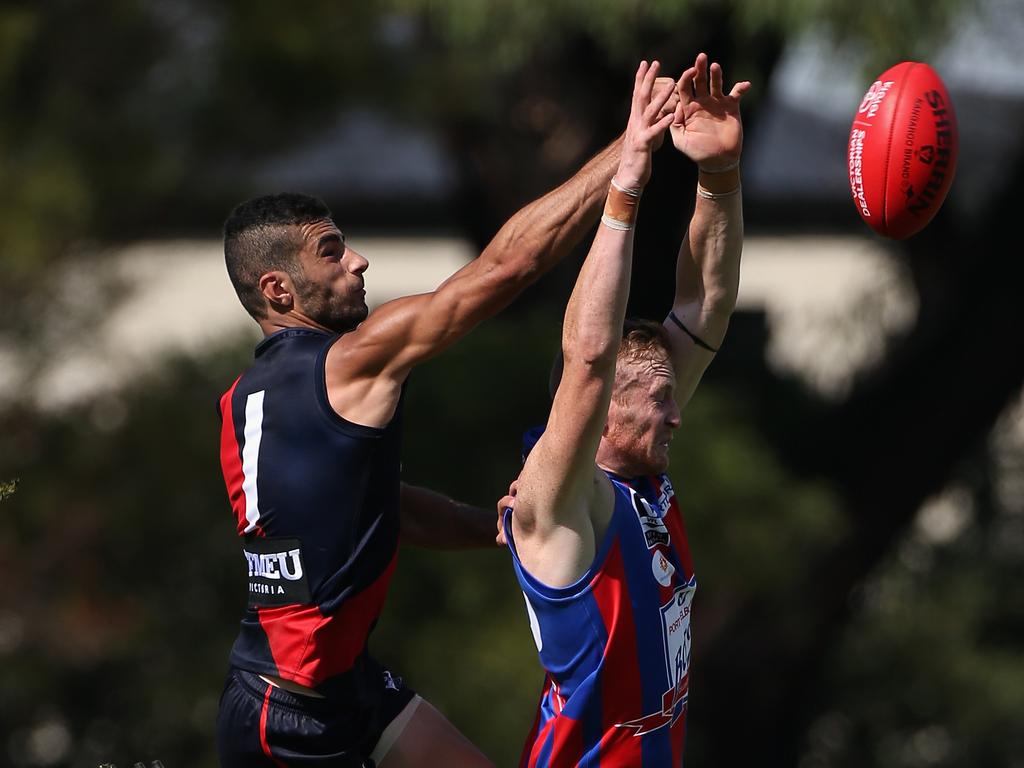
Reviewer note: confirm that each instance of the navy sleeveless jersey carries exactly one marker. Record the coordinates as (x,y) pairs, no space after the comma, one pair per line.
(316,501)
(615,645)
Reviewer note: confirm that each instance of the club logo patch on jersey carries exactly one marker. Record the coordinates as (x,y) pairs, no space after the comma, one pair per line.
(276,573)
(675,617)
(662,568)
(655,532)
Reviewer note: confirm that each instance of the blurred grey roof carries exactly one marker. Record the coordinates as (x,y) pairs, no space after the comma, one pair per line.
(348,161)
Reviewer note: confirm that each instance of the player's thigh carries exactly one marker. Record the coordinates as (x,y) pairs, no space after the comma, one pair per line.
(428,740)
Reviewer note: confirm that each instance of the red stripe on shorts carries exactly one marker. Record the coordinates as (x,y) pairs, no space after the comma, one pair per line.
(263,728)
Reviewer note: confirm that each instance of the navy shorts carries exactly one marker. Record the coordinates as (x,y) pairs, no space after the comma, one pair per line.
(259,724)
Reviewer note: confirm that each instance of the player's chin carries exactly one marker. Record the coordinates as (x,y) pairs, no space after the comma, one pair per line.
(657,460)
(349,320)
(356,313)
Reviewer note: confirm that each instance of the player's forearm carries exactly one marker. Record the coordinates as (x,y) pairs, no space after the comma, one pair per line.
(708,266)
(593,318)
(541,233)
(432,520)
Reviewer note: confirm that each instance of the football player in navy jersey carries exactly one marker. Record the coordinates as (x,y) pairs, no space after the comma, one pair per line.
(598,542)
(310,452)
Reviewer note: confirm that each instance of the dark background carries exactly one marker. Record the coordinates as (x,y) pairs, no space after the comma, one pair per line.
(833,626)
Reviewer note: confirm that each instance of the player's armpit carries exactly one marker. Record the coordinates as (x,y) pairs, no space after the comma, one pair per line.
(557,546)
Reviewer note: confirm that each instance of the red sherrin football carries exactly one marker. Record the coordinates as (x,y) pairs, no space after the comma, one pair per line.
(902,151)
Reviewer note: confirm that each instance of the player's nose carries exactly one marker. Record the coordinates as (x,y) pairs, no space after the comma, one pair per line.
(357,263)
(673,419)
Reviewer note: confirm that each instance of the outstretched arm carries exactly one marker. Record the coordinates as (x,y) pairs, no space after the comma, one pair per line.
(366,367)
(708,130)
(435,521)
(559,482)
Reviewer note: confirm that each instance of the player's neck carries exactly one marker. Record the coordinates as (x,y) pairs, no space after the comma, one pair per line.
(618,469)
(278,322)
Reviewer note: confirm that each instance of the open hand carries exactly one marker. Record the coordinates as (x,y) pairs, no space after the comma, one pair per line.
(706,126)
(648,120)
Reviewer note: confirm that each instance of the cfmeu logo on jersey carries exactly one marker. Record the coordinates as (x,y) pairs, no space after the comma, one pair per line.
(276,575)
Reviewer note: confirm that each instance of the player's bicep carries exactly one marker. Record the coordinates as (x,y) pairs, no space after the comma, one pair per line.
(404,332)
(470,296)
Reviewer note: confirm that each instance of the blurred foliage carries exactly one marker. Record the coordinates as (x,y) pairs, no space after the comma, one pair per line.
(122,571)
(930,670)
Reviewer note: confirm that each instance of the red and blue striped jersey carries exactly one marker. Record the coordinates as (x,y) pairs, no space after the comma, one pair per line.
(316,501)
(615,645)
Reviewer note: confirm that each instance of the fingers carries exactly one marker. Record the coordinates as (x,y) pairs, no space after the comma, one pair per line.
(706,79)
(505,502)
(662,84)
(649,104)
(640,72)
(679,118)
(700,80)
(660,97)
(686,86)
(739,89)
(647,85)
(638,83)
(716,80)
(663,122)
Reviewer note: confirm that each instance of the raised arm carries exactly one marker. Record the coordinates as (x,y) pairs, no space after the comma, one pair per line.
(559,483)
(366,368)
(708,130)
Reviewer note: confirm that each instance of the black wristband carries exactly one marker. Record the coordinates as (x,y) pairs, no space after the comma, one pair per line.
(696,339)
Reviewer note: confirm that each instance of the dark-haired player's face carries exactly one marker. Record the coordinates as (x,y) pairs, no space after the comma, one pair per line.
(642,416)
(330,289)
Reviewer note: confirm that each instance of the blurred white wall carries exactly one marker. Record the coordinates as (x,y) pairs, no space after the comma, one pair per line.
(123,312)
(830,302)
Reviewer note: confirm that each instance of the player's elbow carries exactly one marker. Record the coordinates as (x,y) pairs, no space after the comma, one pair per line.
(719,302)
(589,342)
(590,362)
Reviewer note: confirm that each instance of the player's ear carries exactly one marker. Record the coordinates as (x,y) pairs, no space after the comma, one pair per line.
(276,287)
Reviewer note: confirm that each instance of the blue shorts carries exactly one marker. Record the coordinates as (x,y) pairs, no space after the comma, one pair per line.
(259,724)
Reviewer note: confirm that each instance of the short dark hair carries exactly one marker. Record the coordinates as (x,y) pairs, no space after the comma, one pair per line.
(258,238)
(641,339)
